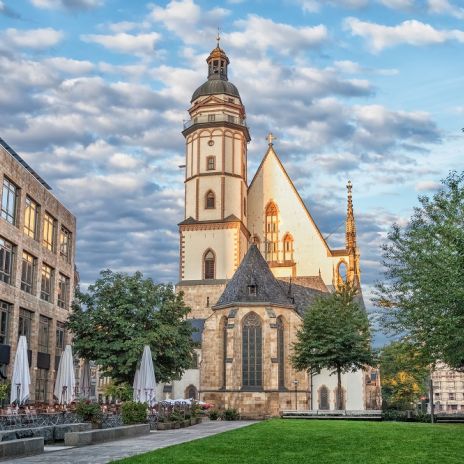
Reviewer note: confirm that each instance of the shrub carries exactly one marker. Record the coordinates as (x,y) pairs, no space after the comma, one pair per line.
(230,414)
(90,412)
(213,414)
(122,391)
(4,390)
(176,416)
(134,413)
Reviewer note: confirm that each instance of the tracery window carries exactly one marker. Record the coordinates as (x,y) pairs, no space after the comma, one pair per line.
(210,202)
(324,398)
(252,357)
(209,262)
(281,352)
(272,232)
(191,392)
(288,247)
(342,272)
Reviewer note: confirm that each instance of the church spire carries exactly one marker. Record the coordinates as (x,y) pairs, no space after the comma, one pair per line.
(350,226)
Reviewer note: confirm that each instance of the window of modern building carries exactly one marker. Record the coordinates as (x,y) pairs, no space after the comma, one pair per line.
(46,283)
(252,369)
(65,243)
(31,218)
(281,352)
(6,261)
(272,232)
(63,291)
(28,268)
(211,163)
(44,334)
(49,226)
(452,396)
(209,264)
(324,398)
(25,324)
(210,200)
(10,195)
(60,334)
(41,385)
(5,311)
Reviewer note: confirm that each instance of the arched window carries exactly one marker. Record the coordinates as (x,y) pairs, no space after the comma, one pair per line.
(288,247)
(210,200)
(244,207)
(342,272)
(340,402)
(272,232)
(252,357)
(191,392)
(281,352)
(224,352)
(324,398)
(209,262)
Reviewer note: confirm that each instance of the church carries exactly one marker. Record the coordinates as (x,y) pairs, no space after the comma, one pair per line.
(252,260)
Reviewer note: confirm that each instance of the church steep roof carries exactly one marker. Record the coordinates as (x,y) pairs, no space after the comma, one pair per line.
(253,282)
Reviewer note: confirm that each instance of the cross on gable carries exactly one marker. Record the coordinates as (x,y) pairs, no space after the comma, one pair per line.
(270,138)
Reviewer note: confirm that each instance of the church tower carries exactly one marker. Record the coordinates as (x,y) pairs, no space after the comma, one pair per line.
(353,274)
(214,235)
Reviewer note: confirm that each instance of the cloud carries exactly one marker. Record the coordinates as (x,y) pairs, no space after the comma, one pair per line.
(445,7)
(138,44)
(7,11)
(428,186)
(314,6)
(35,39)
(411,32)
(350,67)
(67,4)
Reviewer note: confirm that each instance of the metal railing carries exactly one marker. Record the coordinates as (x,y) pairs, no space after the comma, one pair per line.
(212,118)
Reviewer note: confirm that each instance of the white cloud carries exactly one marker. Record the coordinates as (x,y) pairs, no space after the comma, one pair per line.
(36,39)
(411,32)
(398,4)
(138,44)
(69,65)
(67,4)
(428,186)
(445,7)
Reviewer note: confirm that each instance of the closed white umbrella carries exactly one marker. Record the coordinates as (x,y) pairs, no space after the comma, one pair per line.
(65,383)
(135,386)
(84,379)
(146,382)
(21,379)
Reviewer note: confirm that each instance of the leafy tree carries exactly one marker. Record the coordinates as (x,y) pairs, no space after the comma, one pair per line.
(403,372)
(335,335)
(422,294)
(120,314)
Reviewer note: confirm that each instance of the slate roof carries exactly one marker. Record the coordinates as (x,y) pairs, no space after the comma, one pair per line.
(254,270)
(314,282)
(214,87)
(302,297)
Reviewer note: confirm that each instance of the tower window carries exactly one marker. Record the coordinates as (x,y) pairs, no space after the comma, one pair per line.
(211,117)
(288,247)
(210,200)
(252,290)
(209,265)
(211,163)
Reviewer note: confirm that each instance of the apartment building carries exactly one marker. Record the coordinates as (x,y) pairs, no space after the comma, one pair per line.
(37,272)
(448,390)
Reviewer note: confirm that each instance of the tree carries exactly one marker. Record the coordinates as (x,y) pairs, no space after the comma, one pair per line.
(422,294)
(120,314)
(404,374)
(335,335)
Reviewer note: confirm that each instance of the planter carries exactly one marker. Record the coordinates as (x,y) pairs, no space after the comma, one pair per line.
(176,425)
(186,423)
(163,426)
(198,420)
(193,421)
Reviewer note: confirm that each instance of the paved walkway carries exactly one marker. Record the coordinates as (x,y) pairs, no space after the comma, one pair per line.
(107,452)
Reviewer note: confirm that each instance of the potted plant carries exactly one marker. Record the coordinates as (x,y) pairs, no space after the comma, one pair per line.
(90,412)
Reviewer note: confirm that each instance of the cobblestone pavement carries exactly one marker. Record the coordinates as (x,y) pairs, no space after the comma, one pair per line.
(110,451)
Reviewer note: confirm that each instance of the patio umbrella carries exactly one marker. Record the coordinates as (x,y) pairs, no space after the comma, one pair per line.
(65,382)
(21,379)
(135,386)
(146,382)
(84,379)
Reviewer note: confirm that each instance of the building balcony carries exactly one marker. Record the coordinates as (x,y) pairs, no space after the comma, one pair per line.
(214,118)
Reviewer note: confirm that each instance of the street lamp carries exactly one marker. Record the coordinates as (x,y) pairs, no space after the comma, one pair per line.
(295,382)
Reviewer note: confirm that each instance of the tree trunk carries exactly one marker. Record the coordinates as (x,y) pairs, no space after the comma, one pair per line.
(339,389)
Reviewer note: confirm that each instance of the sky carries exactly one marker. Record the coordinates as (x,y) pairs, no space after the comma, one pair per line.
(93,94)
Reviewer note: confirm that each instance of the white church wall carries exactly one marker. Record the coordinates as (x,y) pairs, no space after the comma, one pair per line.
(206,184)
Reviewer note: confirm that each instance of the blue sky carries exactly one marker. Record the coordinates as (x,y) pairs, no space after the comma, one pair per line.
(93,94)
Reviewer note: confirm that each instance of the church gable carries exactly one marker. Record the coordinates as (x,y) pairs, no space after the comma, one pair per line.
(291,242)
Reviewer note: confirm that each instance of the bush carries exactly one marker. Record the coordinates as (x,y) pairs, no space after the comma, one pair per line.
(213,414)
(230,415)
(122,391)
(90,412)
(405,416)
(134,413)
(176,416)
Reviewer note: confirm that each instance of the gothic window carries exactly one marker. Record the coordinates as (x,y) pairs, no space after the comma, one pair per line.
(210,202)
(209,264)
(281,352)
(224,351)
(288,247)
(191,392)
(210,163)
(272,232)
(342,272)
(324,398)
(252,368)
(244,207)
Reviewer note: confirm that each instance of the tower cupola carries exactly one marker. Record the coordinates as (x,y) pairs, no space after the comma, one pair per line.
(217,63)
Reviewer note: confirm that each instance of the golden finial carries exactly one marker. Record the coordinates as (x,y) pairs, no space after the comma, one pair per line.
(270,138)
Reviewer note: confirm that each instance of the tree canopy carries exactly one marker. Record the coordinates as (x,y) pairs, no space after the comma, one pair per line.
(335,335)
(120,314)
(422,293)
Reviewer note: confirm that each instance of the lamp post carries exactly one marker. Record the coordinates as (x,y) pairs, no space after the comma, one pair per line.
(295,382)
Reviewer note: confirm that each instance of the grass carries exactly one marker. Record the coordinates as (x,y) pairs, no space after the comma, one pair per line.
(319,442)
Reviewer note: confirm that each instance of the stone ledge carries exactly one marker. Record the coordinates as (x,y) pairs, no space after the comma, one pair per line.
(50,433)
(21,447)
(102,435)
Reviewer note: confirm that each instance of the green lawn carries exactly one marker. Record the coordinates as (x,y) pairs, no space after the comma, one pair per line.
(320,442)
